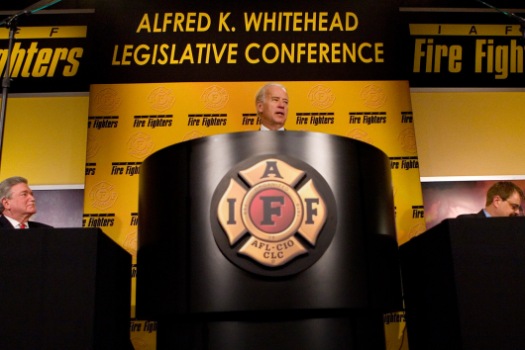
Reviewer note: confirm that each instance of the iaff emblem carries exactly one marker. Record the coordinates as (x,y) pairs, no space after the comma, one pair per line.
(271,212)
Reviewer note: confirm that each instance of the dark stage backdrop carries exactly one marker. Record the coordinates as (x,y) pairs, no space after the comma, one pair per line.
(59,208)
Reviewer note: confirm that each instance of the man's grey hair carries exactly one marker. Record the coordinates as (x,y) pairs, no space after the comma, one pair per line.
(6,186)
(261,94)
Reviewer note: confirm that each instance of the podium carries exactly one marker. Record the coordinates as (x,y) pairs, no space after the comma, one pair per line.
(464,285)
(260,240)
(63,289)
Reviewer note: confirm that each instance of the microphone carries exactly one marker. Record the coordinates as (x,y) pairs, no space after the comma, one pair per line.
(520,20)
(40,5)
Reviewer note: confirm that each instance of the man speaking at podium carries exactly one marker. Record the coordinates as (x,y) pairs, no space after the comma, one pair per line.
(503,199)
(17,204)
(271,102)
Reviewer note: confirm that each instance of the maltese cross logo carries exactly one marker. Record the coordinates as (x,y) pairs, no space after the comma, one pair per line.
(272,212)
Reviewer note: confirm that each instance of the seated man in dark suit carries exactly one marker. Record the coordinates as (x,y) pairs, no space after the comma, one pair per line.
(503,199)
(17,204)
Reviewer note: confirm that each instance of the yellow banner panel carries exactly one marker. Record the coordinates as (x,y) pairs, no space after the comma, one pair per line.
(46,32)
(465,29)
(45,139)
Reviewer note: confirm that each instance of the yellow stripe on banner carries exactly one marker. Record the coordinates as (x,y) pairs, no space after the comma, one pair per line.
(465,29)
(48,32)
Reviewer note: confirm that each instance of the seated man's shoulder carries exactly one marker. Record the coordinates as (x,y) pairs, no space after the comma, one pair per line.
(35,224)
(480,214)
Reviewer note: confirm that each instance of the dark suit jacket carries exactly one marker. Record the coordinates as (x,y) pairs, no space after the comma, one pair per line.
(480,214)
(4,223)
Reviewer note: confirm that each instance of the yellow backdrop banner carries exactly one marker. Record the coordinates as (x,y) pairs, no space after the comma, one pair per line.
(128,122)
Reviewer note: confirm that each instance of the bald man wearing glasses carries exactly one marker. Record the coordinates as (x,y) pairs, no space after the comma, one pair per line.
(503,199)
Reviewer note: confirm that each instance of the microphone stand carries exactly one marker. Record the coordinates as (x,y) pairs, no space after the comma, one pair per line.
(520,20)
(12,24)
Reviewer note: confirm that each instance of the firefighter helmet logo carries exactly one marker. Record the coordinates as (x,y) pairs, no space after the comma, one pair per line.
(270,213)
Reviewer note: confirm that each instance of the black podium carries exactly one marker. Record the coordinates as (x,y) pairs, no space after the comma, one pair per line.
(464,285)
(63,289)
(267,240)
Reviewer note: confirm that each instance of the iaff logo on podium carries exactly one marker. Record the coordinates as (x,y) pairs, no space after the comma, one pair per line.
(271,217)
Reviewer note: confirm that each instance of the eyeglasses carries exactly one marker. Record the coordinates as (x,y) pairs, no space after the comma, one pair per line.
(514,205)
